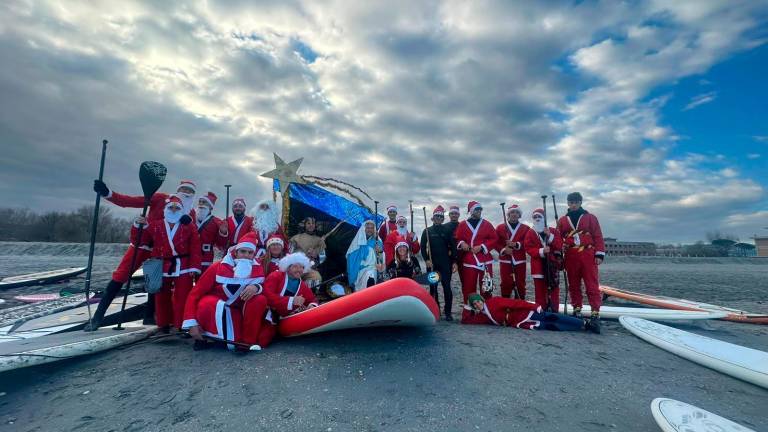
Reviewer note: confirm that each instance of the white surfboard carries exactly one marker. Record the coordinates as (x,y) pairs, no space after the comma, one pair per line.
(55,347)
(748,364)
(676,416)
(41,278)
(614,312)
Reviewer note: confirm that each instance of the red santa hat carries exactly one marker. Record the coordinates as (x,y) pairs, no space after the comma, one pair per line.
(173,199)
(472,205)
(210,198)
(401,218)
(401,241)
(391,208)
(240,201)
(274,239)
(539,211)
(295,258)
(454,209)
(516,208)
(187,183)
(438,211)
(247,241)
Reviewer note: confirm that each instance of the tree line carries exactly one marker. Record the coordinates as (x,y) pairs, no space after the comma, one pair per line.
(22,224)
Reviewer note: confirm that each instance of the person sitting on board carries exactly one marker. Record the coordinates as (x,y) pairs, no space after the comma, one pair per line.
(584,252)
(439,253)
(475,238)
(286,293)
(507,312)
(212,230)
(266,224)
(388,225)
(404,265)
(363,266)
(400,233)
(238,224)
(544,245)
(179,247)
(511,234)
(275,252)
(227,304)
(123,272)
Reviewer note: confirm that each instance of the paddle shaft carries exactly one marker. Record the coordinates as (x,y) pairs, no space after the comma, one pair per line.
(379,275)
(547,278)
(226,216)
(429,243)
(565,273)
(133,264)
(511,258)
(410,206)
(94,226)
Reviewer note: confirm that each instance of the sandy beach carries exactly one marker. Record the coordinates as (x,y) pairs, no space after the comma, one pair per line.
(450,377)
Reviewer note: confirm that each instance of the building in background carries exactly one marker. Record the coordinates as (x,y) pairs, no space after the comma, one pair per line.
(761,243)
(615,247)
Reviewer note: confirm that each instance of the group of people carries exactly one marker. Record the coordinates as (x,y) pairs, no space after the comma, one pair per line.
(263,276)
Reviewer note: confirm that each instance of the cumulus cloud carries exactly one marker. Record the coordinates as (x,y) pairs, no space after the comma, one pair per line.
(437,101)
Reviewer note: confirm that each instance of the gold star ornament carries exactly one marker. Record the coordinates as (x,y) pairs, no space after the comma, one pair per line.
(285,173)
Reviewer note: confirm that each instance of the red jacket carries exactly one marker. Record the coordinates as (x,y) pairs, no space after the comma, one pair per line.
(586,236)
(502,311)
(484,235)
(181,256)
(505,232)
(236,231)
(274,288)
(534,246)
(156,203)
(385,228)
(391,241)
(210,239)
(218,281)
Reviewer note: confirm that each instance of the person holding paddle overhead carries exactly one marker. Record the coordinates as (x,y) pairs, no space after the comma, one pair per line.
(584,251)
(179,247)
(212,230)
(511,234)
(227,302)
(544,244)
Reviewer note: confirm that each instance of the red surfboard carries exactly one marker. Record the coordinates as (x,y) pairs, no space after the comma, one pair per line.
(396,302)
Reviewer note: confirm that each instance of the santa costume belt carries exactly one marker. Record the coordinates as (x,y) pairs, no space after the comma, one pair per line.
(175,260)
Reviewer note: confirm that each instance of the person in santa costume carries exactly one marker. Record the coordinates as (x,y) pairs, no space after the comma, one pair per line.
(399,234)
(286,293)
(238,224)
(212,230)
(390,224)
(453,219)
(364,264)
(584,252)
(475,238)
(512,269)
(404,264)
(227,302)
(123,272)
(544,245)
(507,312)
(266,224)
(179,247)
(270,261)
(439,253)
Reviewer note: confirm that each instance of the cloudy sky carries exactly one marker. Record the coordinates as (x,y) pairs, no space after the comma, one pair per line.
(656,111)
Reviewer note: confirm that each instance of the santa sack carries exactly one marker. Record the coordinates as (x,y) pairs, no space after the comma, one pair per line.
(153,275)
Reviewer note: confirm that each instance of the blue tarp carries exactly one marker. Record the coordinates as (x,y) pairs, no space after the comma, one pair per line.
(332,204)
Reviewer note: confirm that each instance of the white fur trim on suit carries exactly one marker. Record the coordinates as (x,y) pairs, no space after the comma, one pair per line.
(245,245)
(295,258)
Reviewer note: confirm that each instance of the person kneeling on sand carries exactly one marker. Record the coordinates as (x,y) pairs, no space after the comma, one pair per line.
(286,293)
(227,304)
(508,312)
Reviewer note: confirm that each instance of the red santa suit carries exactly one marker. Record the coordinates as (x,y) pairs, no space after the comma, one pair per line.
(210,238)
(534,246)
(393,238)
(215,304)
(179,247)
(504,312)
(583,241)
(280,299)
(474,265)
(386,228)
(512,258)
(237,230)
(124,271)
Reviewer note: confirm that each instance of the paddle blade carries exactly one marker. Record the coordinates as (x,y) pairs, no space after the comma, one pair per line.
(151,175)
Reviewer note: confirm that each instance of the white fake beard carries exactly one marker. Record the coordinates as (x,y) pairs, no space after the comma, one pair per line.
(187,200)
(202,213)
(172,216)
(402,231)
(538,225)
(265,221)
(243,267)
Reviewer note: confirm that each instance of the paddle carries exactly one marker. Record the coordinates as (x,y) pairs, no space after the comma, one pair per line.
(565,273)
(547,275)
(94,225)
(151,176)
(379,258)
(226,217)
(431,275)
(511,258)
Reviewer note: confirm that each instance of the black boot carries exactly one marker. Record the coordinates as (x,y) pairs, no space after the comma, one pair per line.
(113,287)
(149,311)
(594,323)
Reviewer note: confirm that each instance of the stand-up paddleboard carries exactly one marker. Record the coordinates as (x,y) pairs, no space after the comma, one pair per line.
(396,302)
(682,304)
(748,364)
(676,416)
(40,278)
(70,319)
(614,312)
(55,347)
(36,298)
